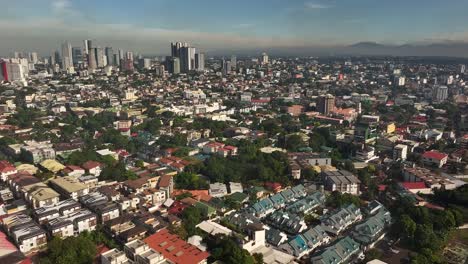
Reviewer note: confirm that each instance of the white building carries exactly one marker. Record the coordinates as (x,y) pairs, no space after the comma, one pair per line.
(400,152)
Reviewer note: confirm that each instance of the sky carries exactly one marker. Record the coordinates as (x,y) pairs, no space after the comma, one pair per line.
(148,26)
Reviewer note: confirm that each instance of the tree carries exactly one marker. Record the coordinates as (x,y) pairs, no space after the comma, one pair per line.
(294,142)
(80,250)
(226,249)
(405,225)
(191,217)
(190,181)
(337,199)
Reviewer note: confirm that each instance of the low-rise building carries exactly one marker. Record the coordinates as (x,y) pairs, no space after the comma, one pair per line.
(69,187)
(341,181)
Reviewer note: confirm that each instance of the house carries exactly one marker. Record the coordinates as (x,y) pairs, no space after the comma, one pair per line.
(307,204)
(26,233)
(287,222)
(342,251)
(40,195)
(72,170)
(341,181)
(69,187)
(140,252)
(60,227)
(51,165)
(83,220)
(338,220)
(6,168)
(218,189)
(434,158)
(369,232)
(63,208)
(306,242)
(175,249)
(166,184)
(92,167)
(114,256)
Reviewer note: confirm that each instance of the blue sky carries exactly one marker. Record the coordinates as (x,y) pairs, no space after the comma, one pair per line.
(148,25)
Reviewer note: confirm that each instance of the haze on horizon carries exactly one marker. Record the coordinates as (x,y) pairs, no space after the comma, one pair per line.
(300,26)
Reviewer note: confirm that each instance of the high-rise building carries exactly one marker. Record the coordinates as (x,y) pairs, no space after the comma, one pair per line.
(227,67)
(440,93)
(129,55)
(110,56)
(159,70)
(173,65)
(264,59)
(12,71)
(116,60)
(121,55)
(144,63)
(326,104)
(77,55)
(67,56)
(200,61)
(33,57)
(55,58)
(187,59)
(92,63)
(100,60)
(234,62)
(462,68)
(175,48)
(87,46)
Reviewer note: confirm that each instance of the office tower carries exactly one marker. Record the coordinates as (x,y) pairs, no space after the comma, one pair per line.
(92,64)
(440,93)
(33,57)
(233,62)
(87,46)
(462,68)
(175,48)
(227,67)
(121,55)
(187,59)
(116,60)
(77,55)
(159,70)
(56,56)
(110,56)
(67,56)
(326,104)
(129,55)
(173,65)
(264,59)
(12,71)
(200,61)
(144,63)
(100,57)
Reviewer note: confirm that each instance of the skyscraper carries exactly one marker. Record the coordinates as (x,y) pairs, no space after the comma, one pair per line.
(110,56)
(200,61)
(116,60)
(173,65)
(67,56)
(92,64)
(87,46)
(440,93)
(326,104)
(100,57)
(187,59)
(175,48)
(33,57)
(264,59)
(233,62)
(77,55)
(121,55)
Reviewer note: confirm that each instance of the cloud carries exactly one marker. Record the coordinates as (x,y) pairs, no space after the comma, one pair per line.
(316,5)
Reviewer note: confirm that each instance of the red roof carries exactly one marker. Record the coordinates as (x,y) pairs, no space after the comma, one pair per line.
(434,155)
(91,164)
(177,208)
(6,166)
(413,185)
(382,187)
(5,244)
(175,249)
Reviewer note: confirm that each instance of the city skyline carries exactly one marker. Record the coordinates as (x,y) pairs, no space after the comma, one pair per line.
(147,27)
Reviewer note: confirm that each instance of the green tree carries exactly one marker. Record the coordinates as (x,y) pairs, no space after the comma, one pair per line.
(80,250)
